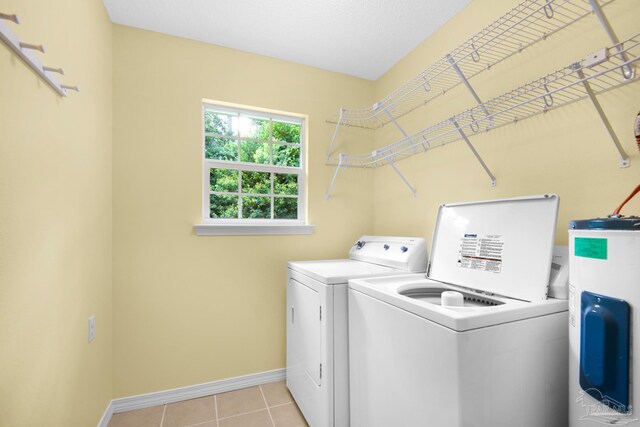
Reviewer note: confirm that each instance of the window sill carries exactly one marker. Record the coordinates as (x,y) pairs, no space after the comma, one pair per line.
(251,229)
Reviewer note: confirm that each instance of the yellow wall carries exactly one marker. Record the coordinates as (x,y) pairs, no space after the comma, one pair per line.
(190,309)
(55,219)
(565,151)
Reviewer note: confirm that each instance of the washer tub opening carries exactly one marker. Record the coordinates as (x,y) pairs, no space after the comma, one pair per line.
(433,296)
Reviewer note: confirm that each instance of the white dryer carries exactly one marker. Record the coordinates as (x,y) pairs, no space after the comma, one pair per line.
(317,329)
(475,344)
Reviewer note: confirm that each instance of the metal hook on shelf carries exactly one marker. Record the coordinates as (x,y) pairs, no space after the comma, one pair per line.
(628,72)
(548,98)
(548,9)
(474,53)
(426,85)
(76,88)
(37,47)
(473,122)
(627,69)
(10,17)
(53,70)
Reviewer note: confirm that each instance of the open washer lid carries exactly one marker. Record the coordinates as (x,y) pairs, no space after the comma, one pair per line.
(501,247)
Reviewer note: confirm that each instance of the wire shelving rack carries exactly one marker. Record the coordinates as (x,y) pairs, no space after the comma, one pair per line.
(602,71)
(523,26)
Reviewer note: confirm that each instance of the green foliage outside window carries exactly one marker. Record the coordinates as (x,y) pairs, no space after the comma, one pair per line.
(229,137)
(223,206)
(256,182)
(285,183)
(221,144)
(285,208)
(224,180)
(256,207)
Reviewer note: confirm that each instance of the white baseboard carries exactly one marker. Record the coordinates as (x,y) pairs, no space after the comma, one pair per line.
(106,417)
(190,392)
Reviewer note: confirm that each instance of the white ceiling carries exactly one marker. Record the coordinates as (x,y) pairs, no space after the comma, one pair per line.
(363,38)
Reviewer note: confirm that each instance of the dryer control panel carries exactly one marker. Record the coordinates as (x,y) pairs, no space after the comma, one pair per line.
(404,253)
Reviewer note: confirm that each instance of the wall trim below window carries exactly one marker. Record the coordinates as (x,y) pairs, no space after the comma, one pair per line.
(252,229)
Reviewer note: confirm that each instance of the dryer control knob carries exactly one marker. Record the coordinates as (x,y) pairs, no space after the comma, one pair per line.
(359,244)
(386,247)
(403,249)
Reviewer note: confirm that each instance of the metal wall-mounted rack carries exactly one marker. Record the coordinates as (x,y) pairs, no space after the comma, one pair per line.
(602,71)
(27,52)
(521,27)
(524,25)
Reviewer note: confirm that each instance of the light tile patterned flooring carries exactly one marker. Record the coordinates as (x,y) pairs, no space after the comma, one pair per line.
(267,405)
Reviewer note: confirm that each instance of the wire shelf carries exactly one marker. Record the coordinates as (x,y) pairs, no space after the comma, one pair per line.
(603,71)
(524,25)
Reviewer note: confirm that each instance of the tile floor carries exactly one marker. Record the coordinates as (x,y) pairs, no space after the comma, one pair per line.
(267,405)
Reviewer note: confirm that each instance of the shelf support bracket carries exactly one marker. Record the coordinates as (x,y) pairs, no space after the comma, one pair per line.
(413,190)
(395,122)
(333,139)
(627,69)
(335,175)
(623,161)
(464,80)
(473,150)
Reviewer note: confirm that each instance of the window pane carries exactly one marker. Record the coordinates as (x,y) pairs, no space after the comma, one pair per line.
(224,180)
(220,123)
(286,132)
(285,183)
(285,207)
(286,155)
(256,207)
(254,128)
(256,182)
(240,146)
(220,148)
(254,152)
(223,206)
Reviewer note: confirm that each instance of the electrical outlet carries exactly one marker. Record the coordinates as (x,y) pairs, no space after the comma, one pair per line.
(92,328)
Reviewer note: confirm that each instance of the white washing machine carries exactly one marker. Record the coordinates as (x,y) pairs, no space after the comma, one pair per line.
(475,344)
(317,329)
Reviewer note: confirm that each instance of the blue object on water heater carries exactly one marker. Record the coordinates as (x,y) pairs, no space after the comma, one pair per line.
(604,349)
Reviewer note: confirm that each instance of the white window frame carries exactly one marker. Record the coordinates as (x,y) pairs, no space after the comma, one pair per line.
(216,226)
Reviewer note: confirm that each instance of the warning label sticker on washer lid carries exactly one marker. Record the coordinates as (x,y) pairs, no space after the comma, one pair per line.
(481,252)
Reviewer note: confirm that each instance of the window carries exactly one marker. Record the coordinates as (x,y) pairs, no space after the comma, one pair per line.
(253,167)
